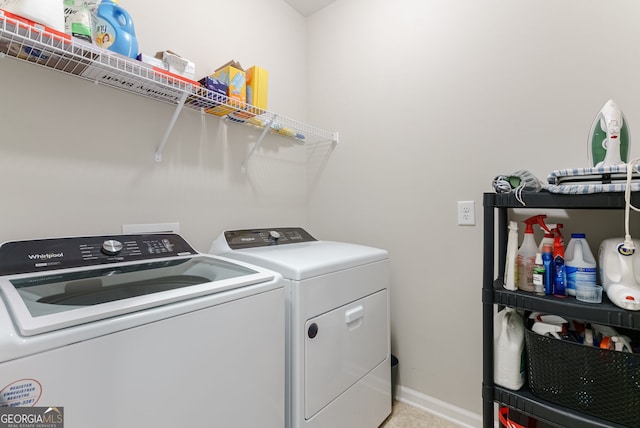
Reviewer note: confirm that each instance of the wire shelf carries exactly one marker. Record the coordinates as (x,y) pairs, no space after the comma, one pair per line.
(34,43)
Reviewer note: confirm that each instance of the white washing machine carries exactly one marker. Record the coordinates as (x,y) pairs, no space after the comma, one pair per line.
(140,331)
(337,324)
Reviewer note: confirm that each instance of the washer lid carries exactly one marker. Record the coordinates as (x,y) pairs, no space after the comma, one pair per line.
(310,259)
(57,299)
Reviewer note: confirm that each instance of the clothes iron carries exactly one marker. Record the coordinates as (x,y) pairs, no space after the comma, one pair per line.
(619,265)
(609,138)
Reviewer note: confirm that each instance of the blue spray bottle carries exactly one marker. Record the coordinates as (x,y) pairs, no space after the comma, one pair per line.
(549,272)
(560,274)
(114,29)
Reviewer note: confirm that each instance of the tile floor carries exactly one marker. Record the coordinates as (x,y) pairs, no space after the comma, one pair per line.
(406,416)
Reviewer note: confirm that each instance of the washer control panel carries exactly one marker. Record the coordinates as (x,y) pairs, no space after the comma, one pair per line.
(48,254)
(250,238)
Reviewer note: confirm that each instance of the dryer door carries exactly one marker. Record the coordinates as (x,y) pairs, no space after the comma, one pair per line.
(342,346)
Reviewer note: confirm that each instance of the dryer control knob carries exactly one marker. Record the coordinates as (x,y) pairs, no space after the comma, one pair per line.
(274,235)
(111,247)
(313,331)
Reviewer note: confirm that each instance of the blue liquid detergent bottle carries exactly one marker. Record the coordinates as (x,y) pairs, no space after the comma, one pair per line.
(114,29)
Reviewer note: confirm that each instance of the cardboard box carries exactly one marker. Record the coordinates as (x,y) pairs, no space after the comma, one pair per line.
(217,88)
(232,75)
(257,87)
(153,61)
(177,64)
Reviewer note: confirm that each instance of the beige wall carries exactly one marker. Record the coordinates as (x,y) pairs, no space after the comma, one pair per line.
(432,100)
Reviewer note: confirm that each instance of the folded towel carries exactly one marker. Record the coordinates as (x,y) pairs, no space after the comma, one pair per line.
(577,181)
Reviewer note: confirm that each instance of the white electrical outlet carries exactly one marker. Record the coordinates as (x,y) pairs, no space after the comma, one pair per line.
(466,213)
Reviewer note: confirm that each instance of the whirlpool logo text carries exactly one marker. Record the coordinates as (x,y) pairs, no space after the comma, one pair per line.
(47,256)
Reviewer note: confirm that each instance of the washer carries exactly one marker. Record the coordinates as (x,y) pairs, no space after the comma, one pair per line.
(140,330)
(337,324)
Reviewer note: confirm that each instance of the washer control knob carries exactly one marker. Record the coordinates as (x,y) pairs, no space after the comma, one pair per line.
(274,235)
(313,331)
(111,247)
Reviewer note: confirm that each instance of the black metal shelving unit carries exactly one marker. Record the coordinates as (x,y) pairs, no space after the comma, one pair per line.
(495,222)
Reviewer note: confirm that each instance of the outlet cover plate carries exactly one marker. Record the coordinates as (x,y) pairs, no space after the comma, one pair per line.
(466,213)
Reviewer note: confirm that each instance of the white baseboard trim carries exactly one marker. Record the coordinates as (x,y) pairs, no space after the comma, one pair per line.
(442,409)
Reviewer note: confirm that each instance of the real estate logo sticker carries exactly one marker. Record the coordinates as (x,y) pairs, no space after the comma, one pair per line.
(31,417)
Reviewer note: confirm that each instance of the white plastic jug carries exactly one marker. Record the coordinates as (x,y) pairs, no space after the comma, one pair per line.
(47,12)
(508,349)
(580,264)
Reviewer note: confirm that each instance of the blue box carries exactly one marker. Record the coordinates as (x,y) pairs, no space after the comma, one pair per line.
(218,96)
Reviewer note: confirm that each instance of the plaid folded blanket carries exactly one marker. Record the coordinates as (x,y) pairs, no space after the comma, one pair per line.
(576,181)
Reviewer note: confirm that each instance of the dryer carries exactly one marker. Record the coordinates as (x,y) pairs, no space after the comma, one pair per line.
(140,330)
(338,371)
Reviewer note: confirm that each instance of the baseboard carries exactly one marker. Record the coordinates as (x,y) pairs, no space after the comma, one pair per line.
(442,409)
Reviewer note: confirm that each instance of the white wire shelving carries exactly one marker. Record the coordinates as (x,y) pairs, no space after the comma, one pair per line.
(26,41)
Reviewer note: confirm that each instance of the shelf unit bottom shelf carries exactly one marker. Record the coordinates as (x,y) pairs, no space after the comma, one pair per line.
(524,401)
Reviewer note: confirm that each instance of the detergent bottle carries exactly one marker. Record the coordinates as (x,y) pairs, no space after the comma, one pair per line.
(527,253)
(580,263)
(508,349)
(114,30)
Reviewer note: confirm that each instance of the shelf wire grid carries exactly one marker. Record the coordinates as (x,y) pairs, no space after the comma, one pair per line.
(48,48)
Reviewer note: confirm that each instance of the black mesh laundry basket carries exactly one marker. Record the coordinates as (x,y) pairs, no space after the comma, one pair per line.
(599,382)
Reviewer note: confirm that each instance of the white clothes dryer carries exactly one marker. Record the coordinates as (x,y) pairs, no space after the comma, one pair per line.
(140,331)
(338,370)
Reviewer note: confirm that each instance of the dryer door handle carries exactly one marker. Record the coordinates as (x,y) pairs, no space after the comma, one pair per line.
(354,314)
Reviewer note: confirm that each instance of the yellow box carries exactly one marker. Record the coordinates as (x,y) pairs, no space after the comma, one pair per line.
(257,87)
(232,75)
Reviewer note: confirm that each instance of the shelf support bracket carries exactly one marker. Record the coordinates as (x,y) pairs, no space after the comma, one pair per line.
(267,127)
(172,122)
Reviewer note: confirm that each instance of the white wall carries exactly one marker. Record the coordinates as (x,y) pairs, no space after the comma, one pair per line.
(433,99)
(77,158)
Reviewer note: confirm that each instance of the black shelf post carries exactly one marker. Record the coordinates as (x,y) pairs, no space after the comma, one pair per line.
(487,312)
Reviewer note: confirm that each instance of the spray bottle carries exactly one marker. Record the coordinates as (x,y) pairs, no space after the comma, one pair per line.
(547,262)
(560,274)
(511,266)
(549,236)
(527,253)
